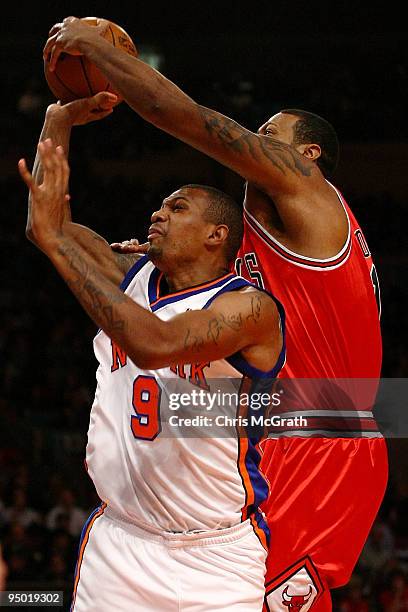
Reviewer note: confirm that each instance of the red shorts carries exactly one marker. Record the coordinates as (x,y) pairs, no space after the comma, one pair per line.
(324,496)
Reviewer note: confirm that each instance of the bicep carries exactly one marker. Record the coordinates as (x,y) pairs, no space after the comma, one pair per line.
(203,336)
(274,166)
(233,322)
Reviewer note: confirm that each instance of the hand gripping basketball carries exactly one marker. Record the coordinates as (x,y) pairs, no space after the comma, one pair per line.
(69,74)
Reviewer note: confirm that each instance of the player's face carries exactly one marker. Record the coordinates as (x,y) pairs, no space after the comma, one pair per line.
(178,230)
(280,127)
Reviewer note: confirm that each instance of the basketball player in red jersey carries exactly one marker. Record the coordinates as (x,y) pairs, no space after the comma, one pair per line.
(303,243)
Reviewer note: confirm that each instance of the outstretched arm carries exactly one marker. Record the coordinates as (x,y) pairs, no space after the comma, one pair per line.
(274,167)
(233,323)
(311,220)
(58,124)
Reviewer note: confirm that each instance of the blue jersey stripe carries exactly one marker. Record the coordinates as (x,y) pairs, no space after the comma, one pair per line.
(169,299)
(233,285)
(131,273)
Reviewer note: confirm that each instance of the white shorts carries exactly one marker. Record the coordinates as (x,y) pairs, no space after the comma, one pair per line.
(124,567)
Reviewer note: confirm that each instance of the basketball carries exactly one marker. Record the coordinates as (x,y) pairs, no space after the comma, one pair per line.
(76,77)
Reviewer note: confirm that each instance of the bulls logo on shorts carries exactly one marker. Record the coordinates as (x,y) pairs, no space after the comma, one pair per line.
(295,602)
(295,590)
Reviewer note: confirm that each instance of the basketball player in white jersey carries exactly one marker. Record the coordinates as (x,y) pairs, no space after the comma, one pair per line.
(179,527)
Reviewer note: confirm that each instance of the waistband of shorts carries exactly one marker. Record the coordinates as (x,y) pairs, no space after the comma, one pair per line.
(183,539)
(324,423)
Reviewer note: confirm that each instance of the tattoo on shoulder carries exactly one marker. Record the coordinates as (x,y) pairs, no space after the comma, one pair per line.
(240,140)
(256,304)
(233,320)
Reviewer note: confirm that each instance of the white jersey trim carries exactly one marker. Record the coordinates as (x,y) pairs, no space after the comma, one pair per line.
(266,236)
(328,413)
(323,433)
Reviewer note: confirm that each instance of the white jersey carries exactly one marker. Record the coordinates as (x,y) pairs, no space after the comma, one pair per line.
(141,466)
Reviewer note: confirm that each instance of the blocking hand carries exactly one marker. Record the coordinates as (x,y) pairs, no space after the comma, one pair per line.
(68,36)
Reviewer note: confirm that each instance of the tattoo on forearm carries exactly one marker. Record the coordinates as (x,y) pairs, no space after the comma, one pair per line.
(226,130)
(87,285)
(126,260)
(123,261)
(240,140)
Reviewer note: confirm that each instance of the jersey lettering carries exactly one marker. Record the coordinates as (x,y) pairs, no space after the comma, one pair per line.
(252,269)
(119,357)
(196,373)
(178,368)
(197,376)
(145,423)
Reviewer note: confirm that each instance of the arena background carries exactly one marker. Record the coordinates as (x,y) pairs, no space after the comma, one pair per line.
(348,63)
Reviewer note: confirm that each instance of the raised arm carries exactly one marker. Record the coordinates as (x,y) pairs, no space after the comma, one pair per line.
(58,124)
(275,167)
(290,195)
(247,321)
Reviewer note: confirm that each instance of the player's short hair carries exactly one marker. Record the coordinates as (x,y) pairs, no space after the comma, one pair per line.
(222,209)
(311,128)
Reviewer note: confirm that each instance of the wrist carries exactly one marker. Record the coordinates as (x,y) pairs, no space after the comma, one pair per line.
(92,45)
(49,241)
(59,114)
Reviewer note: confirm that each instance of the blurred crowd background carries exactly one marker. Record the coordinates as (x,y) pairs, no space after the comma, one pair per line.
(247,65)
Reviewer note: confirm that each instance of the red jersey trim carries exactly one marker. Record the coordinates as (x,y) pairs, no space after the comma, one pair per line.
(301,260)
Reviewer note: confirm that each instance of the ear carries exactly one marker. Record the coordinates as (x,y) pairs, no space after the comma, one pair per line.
(311,151)
(217,236)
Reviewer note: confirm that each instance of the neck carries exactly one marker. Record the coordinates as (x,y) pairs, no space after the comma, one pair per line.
(177,280)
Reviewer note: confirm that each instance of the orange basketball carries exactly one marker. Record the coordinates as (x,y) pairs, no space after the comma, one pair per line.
(76,77)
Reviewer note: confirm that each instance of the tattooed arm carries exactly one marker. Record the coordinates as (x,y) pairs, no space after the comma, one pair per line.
(292,200)
(268,163)
(58,124)
(234,322)
(245,320)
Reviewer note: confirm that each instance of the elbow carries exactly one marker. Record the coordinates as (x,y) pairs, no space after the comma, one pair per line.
(155,113)
(156,109)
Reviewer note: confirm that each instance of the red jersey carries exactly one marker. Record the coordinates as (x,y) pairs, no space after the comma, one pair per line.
(327,477)
(332,305)
(332,311)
